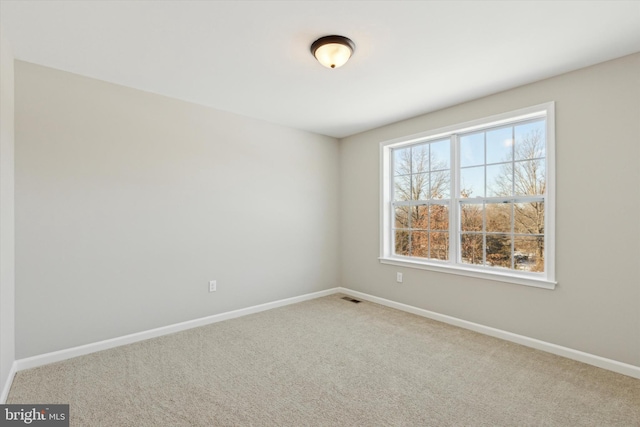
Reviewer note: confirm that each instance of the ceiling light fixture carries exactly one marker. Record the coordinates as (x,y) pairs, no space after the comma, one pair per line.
(332,51)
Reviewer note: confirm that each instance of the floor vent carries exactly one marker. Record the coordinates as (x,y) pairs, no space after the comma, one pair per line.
(351,300)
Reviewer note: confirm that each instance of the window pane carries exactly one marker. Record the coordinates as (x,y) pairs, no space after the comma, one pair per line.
(530,141)
(440,155)
(402,217)
(402,188)
(471,217)
(420,244)
(402,161)
(499,217)
(529,177)
(472,149)
(529,253)
(420,158)
(420,187)
(439,217)
(439,246)
(499,145)
(471,248)
(499,182)
(498,250)
(440,184)
(529,218)
(472,182)
(420,217)
(402,243)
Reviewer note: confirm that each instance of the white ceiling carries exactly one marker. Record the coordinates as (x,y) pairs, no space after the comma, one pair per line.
(252,57)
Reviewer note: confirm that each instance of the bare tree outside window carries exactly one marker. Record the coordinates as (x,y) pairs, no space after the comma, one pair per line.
(421,190)
(508,233)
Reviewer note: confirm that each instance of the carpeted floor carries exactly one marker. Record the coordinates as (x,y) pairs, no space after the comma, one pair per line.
(330,362)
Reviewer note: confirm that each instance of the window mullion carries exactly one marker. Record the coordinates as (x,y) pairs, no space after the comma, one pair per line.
(484,197)
(513,203)
(392,208)
(484,233)
(454,203)
(513,236)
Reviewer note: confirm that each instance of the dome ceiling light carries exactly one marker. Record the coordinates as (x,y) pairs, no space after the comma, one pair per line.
(332,51)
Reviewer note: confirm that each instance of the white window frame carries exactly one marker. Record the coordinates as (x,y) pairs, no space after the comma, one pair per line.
(545,279)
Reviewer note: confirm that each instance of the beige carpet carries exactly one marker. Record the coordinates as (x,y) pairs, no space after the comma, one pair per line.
(330,362)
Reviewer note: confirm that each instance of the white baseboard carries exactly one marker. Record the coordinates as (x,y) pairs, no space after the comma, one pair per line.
(44,359)
(56,356)
(591,359)
(7,385)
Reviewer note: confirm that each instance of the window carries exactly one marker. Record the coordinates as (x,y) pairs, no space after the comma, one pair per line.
(474,199)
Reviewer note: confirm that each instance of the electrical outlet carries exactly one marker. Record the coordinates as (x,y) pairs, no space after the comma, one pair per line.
(399,277)
(212,285)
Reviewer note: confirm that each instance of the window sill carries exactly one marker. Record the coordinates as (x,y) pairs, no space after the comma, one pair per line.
(472,272)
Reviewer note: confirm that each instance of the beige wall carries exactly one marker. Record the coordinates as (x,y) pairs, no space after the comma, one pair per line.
(128,203)
(596,305)
(7,268)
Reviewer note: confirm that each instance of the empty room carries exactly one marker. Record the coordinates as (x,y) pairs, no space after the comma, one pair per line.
(320,213)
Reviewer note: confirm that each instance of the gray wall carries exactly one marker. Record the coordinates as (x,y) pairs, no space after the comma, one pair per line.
(596,305)
(128,203)
(7,266)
